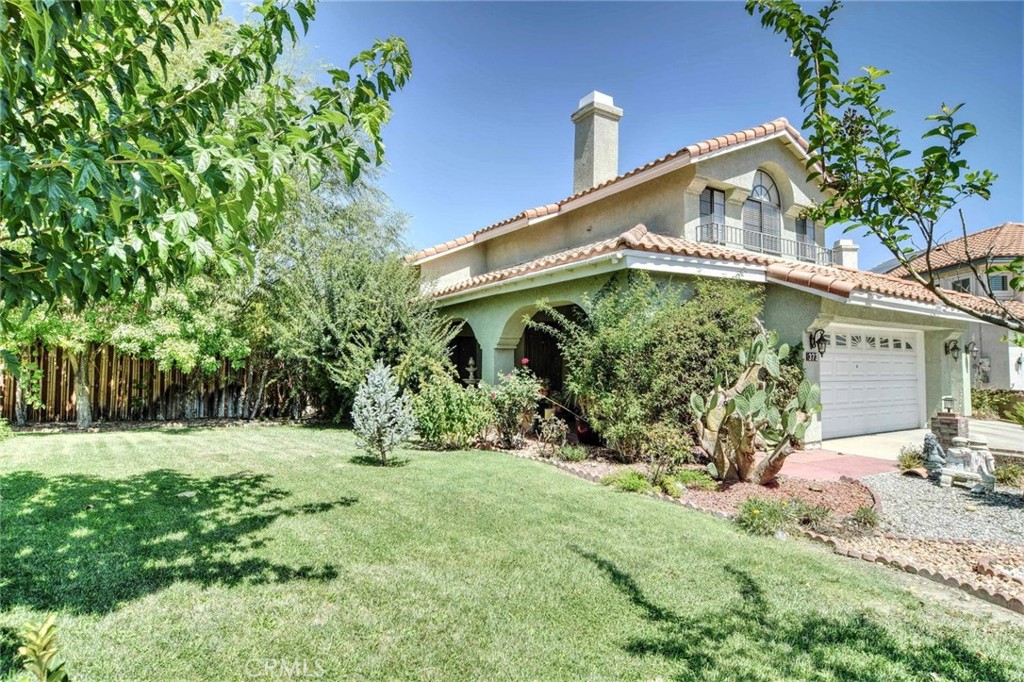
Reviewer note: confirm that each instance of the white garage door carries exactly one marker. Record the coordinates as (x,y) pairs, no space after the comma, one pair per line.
(870,381)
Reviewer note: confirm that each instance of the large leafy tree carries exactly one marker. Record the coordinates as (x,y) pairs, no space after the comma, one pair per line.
(858,157)
(335,295)
(114,174)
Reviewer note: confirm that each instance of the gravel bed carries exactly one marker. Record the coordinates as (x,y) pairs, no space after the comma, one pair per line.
(1013,571)
(920,508)
(958,560)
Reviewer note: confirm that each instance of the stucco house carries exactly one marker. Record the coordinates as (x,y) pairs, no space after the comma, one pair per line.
(728,207)
(996,362)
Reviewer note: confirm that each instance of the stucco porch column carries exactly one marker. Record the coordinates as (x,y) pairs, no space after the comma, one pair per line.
(945,375)
(496,360)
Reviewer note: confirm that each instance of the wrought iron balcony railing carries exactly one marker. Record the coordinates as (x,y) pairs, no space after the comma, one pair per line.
(728,235)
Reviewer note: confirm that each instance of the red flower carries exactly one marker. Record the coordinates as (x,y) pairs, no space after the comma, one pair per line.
(526,361)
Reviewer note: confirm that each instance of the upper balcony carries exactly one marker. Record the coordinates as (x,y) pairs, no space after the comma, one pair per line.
(737,237)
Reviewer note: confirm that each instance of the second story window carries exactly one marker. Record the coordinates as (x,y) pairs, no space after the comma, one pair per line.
(762,215)
(962,285)
(997,283)
(806,240)
(712,215)
(805,231)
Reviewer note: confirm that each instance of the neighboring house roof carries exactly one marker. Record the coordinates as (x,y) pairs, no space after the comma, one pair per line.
(678,159)
(838,281)
(1001,241)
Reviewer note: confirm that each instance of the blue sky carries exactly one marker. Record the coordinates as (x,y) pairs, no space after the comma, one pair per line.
(482,130)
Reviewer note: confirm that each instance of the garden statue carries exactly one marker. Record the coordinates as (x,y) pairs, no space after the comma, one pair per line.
(984,464)
(934,457)
(959,456)
(471,379)
(969,465)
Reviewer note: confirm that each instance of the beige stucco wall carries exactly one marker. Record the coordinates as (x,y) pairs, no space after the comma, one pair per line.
(734,173)
(666,205)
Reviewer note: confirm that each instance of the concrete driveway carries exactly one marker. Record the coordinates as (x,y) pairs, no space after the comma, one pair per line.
(878,445)
(1000,436)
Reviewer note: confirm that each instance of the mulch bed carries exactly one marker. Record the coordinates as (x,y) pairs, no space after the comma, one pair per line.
(842,498)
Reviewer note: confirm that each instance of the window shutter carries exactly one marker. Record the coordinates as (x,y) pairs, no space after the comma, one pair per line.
(772,227)
(752,224)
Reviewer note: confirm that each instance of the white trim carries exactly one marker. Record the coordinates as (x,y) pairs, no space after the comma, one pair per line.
(559,273)
(694,267)
(440,254)
(901,305)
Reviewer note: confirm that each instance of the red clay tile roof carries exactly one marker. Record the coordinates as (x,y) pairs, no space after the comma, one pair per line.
(829,279)
(691,153)
(1001,241)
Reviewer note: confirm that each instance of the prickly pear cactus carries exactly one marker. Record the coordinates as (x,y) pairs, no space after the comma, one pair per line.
(739,419)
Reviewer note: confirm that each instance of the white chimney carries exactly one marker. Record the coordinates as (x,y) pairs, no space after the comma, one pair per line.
(844,253)
(596,155)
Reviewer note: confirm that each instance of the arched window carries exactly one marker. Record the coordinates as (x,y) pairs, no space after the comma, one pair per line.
(762,215)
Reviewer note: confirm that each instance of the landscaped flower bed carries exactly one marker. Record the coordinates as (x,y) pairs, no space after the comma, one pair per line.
(841,498)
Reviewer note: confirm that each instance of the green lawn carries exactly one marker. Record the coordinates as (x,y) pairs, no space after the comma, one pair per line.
(476,565)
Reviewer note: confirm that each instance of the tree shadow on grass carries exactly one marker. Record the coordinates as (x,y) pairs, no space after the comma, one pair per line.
(86,544)
(745,638)
(9,643)
(368,461)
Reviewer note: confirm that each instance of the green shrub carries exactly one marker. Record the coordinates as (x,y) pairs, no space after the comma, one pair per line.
(572,453)
(381,416)
(865,517)
(5,430)
(762,516)
(813,515)
(695,478)
(628,480)
(669,485)
(644,346)
(450,416)
(1010,474)
(911,457)
(666,446)
(994,403)
(514,400)
(551,432)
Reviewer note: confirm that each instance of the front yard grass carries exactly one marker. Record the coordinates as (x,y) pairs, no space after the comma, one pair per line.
(260,553)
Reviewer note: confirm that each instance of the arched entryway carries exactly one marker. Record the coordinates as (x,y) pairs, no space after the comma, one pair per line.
(465,353)
(541,349)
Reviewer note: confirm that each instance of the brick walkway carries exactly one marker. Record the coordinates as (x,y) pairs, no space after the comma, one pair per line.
(828,465)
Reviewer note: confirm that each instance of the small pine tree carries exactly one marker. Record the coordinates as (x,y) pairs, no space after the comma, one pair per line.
(381,414)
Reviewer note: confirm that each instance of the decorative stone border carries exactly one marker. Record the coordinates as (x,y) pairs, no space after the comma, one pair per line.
(985,567)
(995,597)
(876,499)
